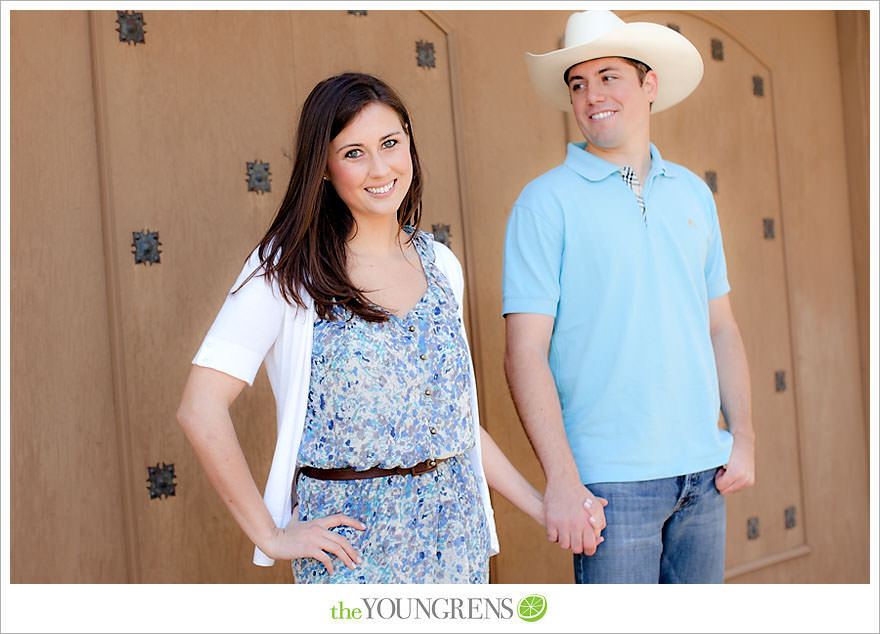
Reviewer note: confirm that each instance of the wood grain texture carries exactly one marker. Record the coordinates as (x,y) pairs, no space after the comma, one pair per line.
(853,42)
(814,185)
(66,519)
(177,138)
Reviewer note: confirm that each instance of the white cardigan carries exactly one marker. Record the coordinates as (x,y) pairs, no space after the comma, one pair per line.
(256,325)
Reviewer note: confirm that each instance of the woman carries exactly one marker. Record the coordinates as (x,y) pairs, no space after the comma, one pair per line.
(357,316)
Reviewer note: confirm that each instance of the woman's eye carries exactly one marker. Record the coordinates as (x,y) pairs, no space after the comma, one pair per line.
(352,154)
(389,143)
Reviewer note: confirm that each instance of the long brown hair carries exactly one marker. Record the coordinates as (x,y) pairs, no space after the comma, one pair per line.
(304,248)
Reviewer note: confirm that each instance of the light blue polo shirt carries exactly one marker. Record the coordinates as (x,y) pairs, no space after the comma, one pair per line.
(630,350)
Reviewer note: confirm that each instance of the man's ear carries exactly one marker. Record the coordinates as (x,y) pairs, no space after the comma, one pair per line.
(650,85)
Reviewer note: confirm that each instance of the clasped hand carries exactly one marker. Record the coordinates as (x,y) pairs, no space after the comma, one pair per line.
(575,518)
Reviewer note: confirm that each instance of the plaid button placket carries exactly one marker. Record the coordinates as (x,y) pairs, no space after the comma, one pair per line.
(632,181)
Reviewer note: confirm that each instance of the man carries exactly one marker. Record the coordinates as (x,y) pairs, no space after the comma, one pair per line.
(621,343)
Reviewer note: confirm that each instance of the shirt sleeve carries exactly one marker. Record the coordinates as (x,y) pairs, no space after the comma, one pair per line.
(533,247)
(716,264)
(245,328)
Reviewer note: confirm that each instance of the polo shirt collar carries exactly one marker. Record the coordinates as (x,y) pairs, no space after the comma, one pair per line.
(594,168)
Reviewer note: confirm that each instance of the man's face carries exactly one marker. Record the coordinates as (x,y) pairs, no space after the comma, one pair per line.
(611,106)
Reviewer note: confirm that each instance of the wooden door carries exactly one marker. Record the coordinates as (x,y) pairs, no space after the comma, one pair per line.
(736,155)
(179,118)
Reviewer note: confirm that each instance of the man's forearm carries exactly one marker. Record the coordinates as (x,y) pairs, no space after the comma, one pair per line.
(736,405)
(537,403)
(734,381)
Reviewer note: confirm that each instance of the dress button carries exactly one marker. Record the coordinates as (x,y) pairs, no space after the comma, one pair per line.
(428,392)
(412,328)
(423,357)
(433,430)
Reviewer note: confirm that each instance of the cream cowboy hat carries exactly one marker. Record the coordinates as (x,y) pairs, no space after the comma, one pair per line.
(594,34)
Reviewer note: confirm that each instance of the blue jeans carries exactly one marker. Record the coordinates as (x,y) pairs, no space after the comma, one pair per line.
(670,530)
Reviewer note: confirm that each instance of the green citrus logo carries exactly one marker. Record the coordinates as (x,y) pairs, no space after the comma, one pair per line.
(532,607)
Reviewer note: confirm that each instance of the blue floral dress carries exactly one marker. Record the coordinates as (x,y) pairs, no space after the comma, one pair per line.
(394,394)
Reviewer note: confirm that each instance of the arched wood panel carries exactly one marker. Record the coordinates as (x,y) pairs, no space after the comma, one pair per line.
(176,139)
(726,133)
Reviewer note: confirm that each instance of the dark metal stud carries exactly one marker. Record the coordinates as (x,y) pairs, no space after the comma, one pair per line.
(717,49)
(769,229)
(758,86)
(441,234)
(357,12)
(425,54)
(790,517)
(780,381)
(161,480)
(674,27)
(258,177)
(131,27)
(712,181)
(146,246)
(753,531)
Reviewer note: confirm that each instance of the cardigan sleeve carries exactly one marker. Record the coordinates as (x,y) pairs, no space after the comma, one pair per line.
(245,328)
(451,268)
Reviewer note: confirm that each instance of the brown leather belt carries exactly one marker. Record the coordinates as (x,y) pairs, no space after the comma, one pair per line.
(375,472)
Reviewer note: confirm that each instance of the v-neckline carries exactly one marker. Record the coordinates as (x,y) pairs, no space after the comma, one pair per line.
(424,267)
(406,315)
(422,297)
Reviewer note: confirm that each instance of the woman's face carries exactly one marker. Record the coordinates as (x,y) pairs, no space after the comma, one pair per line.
(369,162)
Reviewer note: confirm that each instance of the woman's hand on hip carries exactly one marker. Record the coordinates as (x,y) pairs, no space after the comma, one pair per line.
(314,538)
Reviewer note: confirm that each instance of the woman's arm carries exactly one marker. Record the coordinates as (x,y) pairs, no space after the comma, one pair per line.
(502,476)
(204,416)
